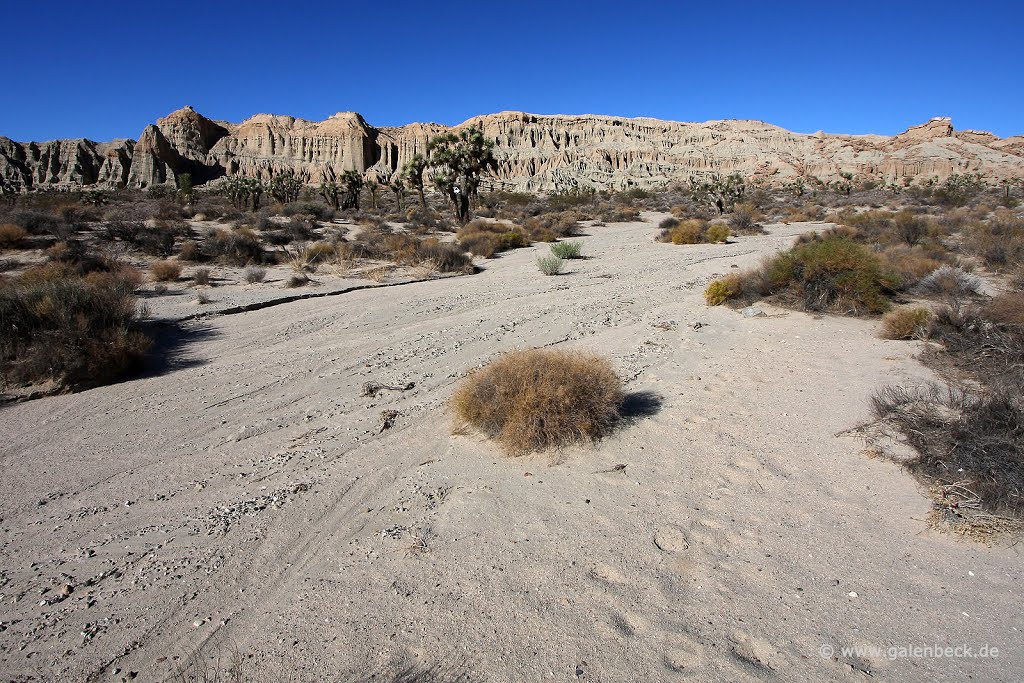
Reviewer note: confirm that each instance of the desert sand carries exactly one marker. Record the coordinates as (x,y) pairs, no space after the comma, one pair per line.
(248,496)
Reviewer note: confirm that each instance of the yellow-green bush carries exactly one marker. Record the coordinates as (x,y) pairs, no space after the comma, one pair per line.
(723,289)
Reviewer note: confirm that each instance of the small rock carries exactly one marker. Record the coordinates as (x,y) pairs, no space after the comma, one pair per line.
(852,594)
(753,312)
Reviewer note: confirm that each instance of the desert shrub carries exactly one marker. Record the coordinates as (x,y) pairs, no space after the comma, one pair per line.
(319,253)
(619,214)
(1006,310)
(534,400)
(692,231)
(567,250)
(716,233)
(57,323)
(447,258)
(512,240)
(723,289)
(959,189)
(238,247)
(827,272)
(201,276)
(254,274)
(191,251)
(165,271)
(834,274)
(484,244)
(297,280)
(320,211)
(689,231)
(667,224)
(550,265)
(805,213)
(999,241)
(34,222)
(745,218)
(911,263)
(910,227)
(949,281)
(11,235)
(906,322)
(968,440)
(560,224)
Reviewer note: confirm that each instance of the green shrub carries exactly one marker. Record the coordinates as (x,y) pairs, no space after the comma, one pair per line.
(567,250)
(550,265)
(533,400)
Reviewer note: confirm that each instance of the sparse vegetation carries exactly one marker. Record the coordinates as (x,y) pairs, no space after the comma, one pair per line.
(254,274)
(535,400)
(692,231)
(550,265)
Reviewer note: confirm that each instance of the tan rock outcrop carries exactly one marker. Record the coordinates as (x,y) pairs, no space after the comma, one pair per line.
(534,152)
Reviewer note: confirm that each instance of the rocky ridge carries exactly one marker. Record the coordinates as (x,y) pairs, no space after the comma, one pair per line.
(534,152)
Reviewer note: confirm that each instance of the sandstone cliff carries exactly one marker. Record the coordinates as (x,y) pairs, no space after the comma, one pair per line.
(534,152)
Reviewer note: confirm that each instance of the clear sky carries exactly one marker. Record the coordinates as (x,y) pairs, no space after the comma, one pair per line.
(105,69)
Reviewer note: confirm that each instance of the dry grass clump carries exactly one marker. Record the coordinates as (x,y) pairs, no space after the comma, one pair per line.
(165,271)
(202,277)
(11,235)
(254,274)
(692,231)
(534,400)
(73,323)
(906,322)
(550,226)
(827,272)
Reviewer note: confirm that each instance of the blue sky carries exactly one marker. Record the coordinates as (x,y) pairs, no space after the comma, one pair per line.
(106,69)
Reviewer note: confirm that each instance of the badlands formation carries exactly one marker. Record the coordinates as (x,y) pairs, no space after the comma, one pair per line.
(535,153)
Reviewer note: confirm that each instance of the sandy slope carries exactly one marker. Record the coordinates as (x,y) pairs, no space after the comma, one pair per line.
(248,497)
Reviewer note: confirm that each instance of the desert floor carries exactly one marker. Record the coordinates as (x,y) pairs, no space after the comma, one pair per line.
(247,497)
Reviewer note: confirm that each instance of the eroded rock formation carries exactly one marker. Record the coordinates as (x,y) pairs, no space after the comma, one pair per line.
(534,152)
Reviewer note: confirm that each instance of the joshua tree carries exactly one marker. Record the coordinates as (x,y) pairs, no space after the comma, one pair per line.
(844,184)
(285,187)
(244,191)
(184,181)
(398,187)
(330,190)
(720,192)
(458,162)
(372,187)
(412,173)
(351,185)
